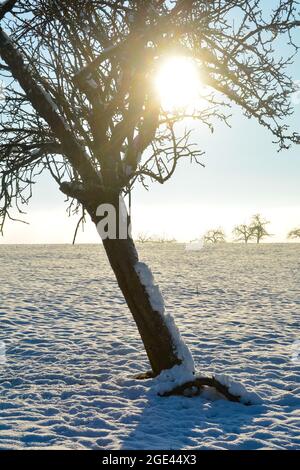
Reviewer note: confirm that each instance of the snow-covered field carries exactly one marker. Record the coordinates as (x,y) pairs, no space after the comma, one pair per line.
(72,349)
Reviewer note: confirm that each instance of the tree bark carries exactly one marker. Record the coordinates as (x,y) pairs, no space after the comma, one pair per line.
(157,338)
(154,332)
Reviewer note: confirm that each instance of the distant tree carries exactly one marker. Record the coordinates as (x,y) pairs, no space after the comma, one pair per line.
(214,236)
(258,228)
(143,238)
(243,232)
(294,233)
(163,239)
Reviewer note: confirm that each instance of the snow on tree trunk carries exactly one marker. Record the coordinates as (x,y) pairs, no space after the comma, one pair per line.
(184,372)
(164,346)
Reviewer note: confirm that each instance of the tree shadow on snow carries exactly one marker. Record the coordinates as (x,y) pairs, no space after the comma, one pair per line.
(204,422)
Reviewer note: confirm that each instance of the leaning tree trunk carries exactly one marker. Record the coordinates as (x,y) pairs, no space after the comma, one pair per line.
(163,343)
(160,337)
(157,338)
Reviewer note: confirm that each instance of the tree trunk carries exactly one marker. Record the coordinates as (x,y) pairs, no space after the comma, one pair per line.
(155,334)
(161,339)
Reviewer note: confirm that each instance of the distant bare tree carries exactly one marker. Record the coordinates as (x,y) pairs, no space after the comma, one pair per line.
(143,237)
(214,236)
(163,239)
(243,232)
(258,227)
(295,233)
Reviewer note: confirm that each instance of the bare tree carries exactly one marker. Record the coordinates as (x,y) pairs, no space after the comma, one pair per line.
(163,239)
(243,232)
(80,104)
(295,233)
(214,236)
(258,228)
(143,237)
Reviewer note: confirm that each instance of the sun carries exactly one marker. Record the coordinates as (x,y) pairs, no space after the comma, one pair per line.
(178,84)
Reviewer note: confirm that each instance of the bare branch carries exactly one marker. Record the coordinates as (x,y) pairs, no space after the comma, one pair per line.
(6,7)
(45,107)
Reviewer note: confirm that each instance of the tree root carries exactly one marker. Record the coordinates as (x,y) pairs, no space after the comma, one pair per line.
(145,375)
(195,387)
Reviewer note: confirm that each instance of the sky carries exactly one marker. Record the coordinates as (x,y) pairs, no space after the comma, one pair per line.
(243,175)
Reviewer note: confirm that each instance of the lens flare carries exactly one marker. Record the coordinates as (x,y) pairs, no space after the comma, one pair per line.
(178,84)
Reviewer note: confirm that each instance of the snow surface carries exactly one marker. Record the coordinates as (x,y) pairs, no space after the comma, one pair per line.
(72,349)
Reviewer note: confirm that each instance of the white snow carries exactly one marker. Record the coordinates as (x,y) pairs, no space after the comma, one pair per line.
(170,378)
(186,370)
(72,349)
(239,390)
(195,245)
(49,99)
(146,278)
